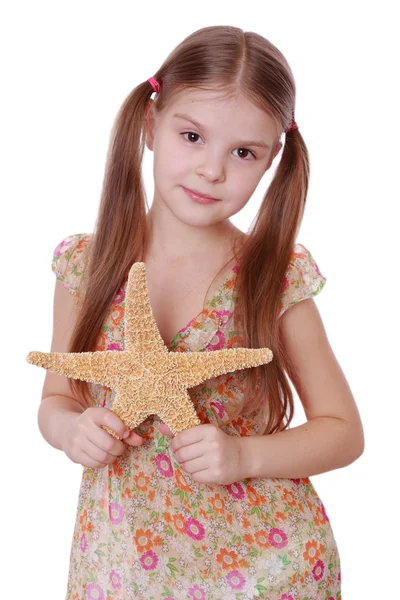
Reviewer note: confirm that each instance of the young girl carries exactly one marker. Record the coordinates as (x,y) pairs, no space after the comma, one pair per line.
(226,509)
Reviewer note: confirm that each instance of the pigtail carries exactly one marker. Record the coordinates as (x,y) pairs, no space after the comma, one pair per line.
(264,262)
(120,237)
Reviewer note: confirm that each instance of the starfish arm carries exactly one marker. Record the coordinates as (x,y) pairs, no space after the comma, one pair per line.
(130,406)
(168,400)
(96,367)
(141,331)
(178,411)
(200,366)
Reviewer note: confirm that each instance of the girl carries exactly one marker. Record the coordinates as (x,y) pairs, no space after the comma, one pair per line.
(225,509)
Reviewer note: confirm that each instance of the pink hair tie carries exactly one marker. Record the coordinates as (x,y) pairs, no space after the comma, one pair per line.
(154,84)
(293,126)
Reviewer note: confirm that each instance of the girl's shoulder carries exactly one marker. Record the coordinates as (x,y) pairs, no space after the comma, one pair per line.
(69,260)
(303,278)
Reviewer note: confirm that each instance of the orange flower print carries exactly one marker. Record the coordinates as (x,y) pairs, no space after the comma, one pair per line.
(289,498)
(312,552)
(143,539)
(117,313)
(218,504)
(142,481)
(262,538)
(227,559)
(179,522)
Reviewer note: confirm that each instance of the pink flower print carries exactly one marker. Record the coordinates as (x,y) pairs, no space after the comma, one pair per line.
(120,297)
(115,579)
(318,271)
(219,408)
(285,285)
(116,513)
(194,529)
(223,313)
(235,580)
(94,592)
(164,465)
(318,570)
(277,538)
(149,560)
(236,490)
(218,341)
(324,512)
(286,597)
(114,346)
(196,592)
(60,246)
(296,481)
(84,543)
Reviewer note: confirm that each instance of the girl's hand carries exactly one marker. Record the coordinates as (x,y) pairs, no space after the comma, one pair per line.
(85,442)
(207,453)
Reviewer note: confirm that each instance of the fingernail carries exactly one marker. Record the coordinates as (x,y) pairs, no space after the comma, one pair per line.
(126,434)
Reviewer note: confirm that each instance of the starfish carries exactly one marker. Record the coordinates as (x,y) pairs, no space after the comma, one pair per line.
(147,377)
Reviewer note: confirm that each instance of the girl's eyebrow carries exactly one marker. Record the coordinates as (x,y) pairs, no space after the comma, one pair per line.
(186,117)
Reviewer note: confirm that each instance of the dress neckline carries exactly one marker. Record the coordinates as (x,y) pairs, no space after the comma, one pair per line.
(216,293)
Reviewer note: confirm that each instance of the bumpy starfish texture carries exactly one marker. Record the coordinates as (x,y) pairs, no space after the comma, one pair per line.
(147,377)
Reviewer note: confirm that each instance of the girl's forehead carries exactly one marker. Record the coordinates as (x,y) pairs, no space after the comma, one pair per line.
(214,107)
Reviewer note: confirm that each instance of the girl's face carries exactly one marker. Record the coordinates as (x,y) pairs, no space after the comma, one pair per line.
(218,156)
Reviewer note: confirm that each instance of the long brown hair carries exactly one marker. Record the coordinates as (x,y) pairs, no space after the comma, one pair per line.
(228,59)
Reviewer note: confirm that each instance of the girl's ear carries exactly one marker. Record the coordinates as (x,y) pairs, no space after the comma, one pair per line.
(149,124)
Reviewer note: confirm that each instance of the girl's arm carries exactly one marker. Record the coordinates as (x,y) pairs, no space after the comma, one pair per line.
(333,435)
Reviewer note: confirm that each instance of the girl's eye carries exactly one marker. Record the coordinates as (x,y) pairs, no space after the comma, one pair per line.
(191,133)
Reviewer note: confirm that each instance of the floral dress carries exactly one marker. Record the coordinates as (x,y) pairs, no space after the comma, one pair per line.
(145,530)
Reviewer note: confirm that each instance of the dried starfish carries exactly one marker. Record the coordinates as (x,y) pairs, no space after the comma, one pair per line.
(147,377)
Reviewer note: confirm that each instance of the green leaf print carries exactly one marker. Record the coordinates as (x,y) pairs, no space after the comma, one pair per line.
(116,537)
(285,560)
(259,586)
(256,510)
(100,553)
(76,272)
(110,593)
(172,568)
(183,495)
(167,592)
(236,539)
(197,552)
(254,552)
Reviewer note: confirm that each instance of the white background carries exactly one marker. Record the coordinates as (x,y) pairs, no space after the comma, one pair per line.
(66,68)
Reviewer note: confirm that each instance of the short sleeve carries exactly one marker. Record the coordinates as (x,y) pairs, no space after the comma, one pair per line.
(70,259)
(303,278)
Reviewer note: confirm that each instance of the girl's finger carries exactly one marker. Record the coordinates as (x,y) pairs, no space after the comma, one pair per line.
(165,430)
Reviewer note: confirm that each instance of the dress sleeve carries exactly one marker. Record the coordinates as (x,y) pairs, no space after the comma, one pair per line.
(69,260)
(303,278)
